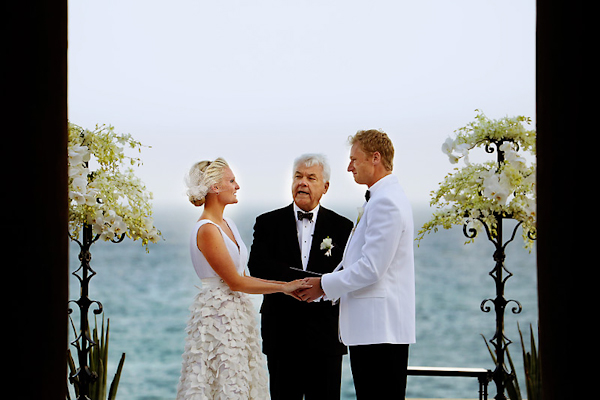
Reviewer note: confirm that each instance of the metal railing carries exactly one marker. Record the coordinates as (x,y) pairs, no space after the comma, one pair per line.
(484,376)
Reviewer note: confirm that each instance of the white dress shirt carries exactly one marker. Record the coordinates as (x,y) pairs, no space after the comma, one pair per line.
(305,229)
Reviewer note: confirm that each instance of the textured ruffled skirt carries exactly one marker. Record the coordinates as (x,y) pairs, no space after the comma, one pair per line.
(222,357)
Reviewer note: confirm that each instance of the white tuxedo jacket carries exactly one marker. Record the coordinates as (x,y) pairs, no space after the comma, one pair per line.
(376,285)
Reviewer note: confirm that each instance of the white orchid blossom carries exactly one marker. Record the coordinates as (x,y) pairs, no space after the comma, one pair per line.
(110,199)
(481,192)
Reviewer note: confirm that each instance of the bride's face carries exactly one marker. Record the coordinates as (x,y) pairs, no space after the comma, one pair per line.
(228,187)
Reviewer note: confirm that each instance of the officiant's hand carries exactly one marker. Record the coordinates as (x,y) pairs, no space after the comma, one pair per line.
(312,293)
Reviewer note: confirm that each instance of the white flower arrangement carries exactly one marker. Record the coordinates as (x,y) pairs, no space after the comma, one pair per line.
(483,193)
(327,244)
(113,202)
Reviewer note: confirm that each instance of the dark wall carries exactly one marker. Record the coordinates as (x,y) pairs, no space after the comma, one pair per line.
(564,130)
(35,264)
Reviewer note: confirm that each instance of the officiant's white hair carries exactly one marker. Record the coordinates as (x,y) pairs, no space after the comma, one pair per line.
(311,159)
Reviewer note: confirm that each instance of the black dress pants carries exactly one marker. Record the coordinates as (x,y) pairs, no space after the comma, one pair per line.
(292,377)
(379,371)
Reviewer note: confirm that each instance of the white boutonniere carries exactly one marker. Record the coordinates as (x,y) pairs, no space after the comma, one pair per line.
(327,244)
(360,210)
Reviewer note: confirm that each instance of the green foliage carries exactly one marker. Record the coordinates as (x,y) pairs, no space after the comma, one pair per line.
(98,362)
(531,361)
(531,366)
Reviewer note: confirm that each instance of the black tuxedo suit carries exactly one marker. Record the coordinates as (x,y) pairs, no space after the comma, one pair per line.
(292,328)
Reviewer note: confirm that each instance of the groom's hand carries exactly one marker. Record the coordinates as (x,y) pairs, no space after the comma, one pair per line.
(313,293)
(295,294)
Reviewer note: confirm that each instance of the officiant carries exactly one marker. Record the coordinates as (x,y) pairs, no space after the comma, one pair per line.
(303,239)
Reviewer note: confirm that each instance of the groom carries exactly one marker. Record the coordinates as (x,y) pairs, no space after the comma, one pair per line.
(375,282)
(287,246)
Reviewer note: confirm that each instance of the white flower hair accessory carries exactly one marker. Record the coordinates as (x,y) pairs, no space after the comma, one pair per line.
(327,244)
(197,187)
(202,178)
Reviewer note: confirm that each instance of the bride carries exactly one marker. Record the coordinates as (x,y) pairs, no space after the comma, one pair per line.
(222,357)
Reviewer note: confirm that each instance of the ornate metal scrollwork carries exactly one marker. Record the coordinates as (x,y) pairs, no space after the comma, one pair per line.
(84,376)
(500,274)
(470,233)
(518,308)
(483,306)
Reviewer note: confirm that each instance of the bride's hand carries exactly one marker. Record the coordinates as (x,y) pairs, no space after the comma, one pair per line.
(292,288)
(313,293)
(298,284)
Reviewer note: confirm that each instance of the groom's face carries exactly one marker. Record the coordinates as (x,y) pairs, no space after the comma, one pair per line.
(308,186)
(361,165)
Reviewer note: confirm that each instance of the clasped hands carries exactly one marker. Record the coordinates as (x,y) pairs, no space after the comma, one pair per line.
(310,293)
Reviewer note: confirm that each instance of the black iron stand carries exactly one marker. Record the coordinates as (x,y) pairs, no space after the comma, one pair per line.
(84,376)
(500,275)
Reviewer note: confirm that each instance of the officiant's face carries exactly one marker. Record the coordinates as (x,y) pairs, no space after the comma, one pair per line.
(308,186)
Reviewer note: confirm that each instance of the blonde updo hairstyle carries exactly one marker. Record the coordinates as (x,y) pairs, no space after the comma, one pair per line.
(201,179)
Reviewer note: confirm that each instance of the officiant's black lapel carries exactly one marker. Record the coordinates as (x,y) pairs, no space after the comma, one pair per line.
(318,261)
(288,236)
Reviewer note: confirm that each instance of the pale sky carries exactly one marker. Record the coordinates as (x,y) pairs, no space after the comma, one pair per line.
(261,82)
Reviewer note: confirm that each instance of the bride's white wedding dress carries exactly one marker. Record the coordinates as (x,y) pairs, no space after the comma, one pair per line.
(222,357)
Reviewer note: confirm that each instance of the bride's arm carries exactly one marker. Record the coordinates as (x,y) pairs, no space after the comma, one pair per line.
(210,243)
(294,294)
(261,279)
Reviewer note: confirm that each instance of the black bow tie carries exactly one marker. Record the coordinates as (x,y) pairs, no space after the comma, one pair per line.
(367,195)
(302,215)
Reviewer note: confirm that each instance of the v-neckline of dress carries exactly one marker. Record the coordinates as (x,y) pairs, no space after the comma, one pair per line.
(234,240)
(223,233)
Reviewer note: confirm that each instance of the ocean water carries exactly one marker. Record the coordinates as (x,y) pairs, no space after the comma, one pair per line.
(146,297)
